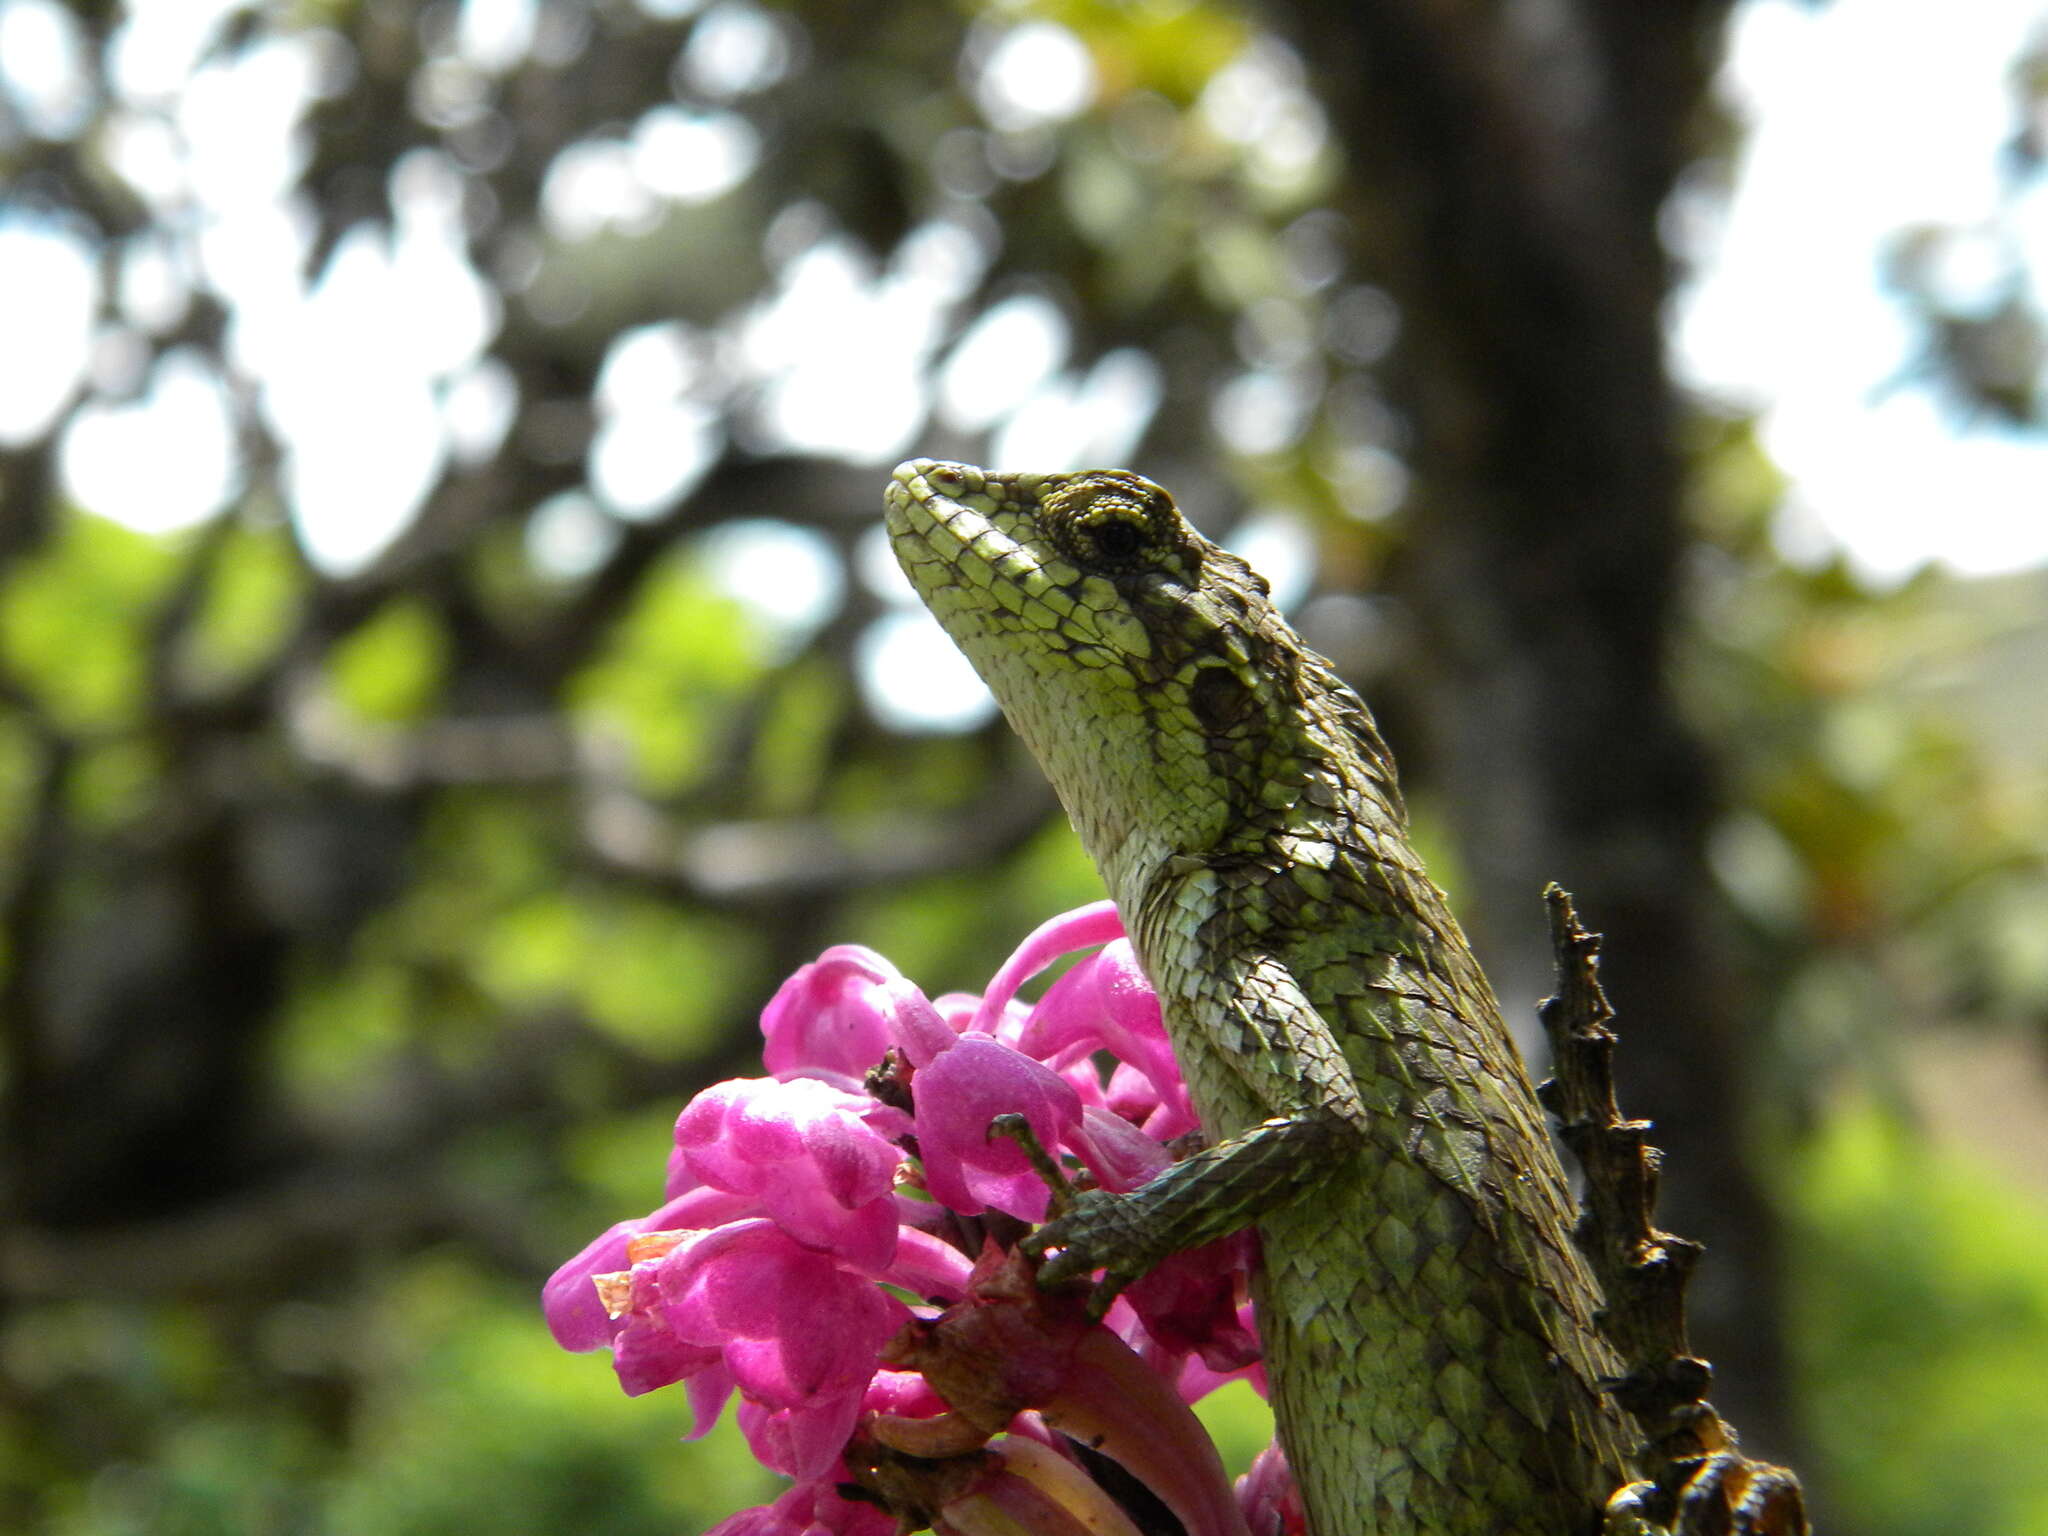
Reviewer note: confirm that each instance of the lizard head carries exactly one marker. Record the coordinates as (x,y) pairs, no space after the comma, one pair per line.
(1143,665)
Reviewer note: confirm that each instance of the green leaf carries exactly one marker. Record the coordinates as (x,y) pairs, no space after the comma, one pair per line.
(116,784)
(248,608)
(392,668)
(1921,1321)
(669,674)
(661,980)
(338,1024)
(72,619)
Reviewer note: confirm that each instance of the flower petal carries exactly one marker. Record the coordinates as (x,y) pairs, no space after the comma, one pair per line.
(1096,923)
(958,1095)
(811,1508)
(842,1011)
(795,1328)
(1104,1003)
(1121,1156)
(809,1152)
(569,1300)
(804,1442)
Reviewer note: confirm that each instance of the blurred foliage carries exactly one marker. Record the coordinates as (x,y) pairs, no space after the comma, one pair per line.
(1884,846)
(1921,1321)
(75,617)
(364,922)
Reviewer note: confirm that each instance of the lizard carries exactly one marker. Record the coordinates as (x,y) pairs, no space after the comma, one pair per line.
(1429,1330)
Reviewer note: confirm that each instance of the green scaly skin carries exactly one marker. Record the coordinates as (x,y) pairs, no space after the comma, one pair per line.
(1428,1326)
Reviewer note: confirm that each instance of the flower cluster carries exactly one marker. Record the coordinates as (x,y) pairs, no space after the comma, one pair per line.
(837,1247)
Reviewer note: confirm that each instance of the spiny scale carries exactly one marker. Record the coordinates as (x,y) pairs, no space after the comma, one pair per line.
(1428,1326)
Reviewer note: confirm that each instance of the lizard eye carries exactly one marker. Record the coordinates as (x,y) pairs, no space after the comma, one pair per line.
(1112,521)
(1117,539)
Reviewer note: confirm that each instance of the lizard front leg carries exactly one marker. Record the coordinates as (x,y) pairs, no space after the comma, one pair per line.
(1284,1057)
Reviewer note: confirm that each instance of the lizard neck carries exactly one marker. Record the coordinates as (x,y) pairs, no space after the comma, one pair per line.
(1322,780)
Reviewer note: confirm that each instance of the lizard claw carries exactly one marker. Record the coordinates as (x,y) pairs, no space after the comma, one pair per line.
(1056,1182)
(1095,1230)
(1091,1228)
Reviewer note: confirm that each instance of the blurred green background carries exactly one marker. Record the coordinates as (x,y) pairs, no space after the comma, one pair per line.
(448,674)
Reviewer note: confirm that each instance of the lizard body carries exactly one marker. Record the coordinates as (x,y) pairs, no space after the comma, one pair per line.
(1428,1327)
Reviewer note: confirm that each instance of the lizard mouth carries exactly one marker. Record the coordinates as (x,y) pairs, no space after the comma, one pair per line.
(953,524)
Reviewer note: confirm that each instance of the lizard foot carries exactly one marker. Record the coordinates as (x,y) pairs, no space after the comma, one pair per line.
(1097,1230)
(1724,1494)
(1092,1228)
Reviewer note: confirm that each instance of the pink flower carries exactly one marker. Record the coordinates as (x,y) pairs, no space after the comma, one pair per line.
(1121,1156)
(1096,923)
(1193,1302)
(821,1161)
(1268,1497)
(811,1508)
(928,1266)
(1196,1378)
(958,1095)
(648,1353)
(801,1336)
(836,1016)
(779,1266)
(1105,1004)
(1010,1345)
(570,1302)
